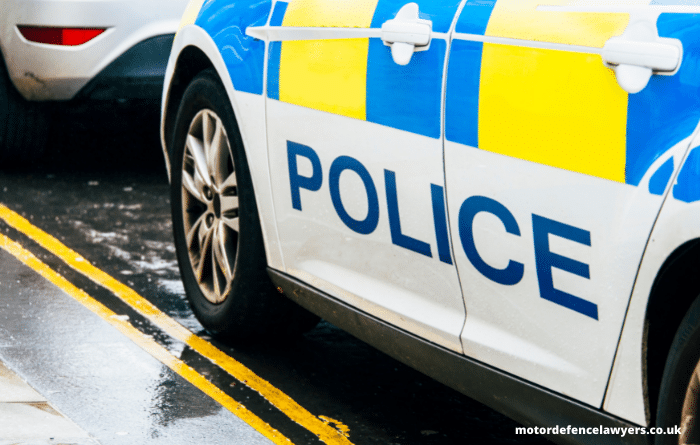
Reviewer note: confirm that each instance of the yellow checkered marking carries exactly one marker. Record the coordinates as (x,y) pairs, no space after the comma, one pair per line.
(190,15)
(558,108)
(327,75)
(520,19)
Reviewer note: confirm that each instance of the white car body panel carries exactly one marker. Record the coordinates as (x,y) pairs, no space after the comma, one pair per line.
(512,327)
(625,396)
(409,290)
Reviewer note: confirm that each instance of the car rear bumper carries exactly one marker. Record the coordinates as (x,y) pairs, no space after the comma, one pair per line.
(44,72)
(138,73)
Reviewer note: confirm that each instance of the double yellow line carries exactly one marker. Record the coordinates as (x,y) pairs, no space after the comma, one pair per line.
(319,426)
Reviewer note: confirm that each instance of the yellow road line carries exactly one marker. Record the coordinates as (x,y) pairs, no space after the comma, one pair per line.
(325,432)
(146,343)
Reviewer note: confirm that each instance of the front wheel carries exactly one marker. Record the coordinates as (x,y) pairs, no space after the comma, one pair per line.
(217,232)
(680,386)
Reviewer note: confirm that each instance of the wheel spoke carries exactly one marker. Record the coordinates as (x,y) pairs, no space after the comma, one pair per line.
(217,137)
(220,252)
(690,432)
(687,431)
(205,248)
(198,239)
(220,263)
(216,155)
(193,234)
(231,220)
(229,202)
(195,148)
(207,128)
(191,186)
(215,275)
(230,186)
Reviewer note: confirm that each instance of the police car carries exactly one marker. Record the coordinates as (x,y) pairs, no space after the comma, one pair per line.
(58,50)
(503,194)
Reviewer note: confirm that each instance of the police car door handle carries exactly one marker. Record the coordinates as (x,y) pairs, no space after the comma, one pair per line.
(659,56)
(634,62)
(405,34)
(639,52)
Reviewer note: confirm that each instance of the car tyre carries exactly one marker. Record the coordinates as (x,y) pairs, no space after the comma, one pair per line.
(23,125)
(217,231)
(680,386)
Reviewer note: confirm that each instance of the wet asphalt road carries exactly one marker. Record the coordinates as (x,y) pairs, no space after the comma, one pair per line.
(101,189)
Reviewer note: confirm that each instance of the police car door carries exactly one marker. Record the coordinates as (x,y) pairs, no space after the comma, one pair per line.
(556,167)
(354,136)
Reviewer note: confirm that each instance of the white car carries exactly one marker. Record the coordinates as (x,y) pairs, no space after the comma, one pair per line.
(503,194)
(58,50)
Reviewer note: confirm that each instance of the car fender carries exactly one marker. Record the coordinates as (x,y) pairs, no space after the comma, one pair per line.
(249,109)
(626,393)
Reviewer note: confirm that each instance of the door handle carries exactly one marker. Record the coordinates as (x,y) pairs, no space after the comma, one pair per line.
(658,56)
(639,52)
(635,56)
(404,34)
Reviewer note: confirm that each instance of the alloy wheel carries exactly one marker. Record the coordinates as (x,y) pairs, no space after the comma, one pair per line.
(210,205)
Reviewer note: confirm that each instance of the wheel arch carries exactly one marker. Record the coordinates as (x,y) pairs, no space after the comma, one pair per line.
(664,289)
(190,62)
(193,51)
(677,277)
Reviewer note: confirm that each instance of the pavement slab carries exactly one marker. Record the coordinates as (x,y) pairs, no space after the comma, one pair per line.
(26,417)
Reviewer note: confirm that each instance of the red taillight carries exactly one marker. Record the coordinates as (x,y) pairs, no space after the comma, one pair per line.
(59,36)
